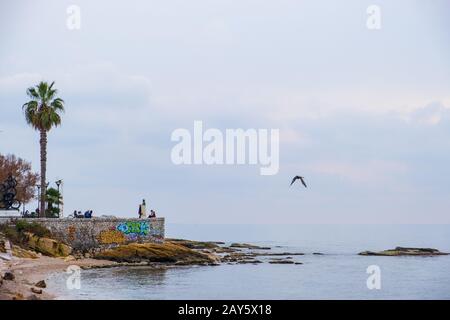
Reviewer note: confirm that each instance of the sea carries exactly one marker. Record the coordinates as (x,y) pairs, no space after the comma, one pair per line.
(337,273)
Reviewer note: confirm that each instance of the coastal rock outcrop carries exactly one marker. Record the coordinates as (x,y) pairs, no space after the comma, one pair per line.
(47,246)
(248,246)
(402,251)
(23,253)
(191,244)
(157,252)
(281,262)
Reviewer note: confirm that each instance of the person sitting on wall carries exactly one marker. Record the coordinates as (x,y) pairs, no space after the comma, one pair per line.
(152,214)
(88,214)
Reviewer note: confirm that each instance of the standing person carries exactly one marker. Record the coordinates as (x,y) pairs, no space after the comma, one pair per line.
(142,210)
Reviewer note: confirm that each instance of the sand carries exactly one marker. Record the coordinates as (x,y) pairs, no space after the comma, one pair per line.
(28,272)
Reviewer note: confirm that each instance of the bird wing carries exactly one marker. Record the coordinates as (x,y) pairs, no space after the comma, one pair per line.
(303,182)
(293,180)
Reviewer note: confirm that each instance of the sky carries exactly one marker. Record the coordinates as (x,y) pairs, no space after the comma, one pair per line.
(363,114)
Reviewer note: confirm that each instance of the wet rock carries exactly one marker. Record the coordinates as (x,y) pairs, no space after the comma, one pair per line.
(281,262)
(279,254)
(224,250)
(252,261)
(248,246)
(191,244)
(402,251)
(9,276)
(41,284)
(237,257)
(35,290)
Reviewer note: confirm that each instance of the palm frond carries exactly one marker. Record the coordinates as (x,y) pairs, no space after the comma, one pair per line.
(58,104)
(32,93)
(42,88)
(43,111)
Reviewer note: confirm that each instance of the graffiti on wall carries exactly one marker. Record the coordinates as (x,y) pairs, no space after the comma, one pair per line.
(134,229)
(129,231)
(111,236)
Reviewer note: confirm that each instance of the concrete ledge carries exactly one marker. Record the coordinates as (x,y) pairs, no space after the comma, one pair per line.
(9,213)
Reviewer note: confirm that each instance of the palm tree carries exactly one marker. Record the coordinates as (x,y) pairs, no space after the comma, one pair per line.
(42,113)
(54,200)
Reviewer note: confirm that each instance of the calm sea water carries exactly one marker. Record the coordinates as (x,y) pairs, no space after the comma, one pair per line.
(338,274)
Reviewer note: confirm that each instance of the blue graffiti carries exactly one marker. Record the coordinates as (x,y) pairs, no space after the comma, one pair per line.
(134,227)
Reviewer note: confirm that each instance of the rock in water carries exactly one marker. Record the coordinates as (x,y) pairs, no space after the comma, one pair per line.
(191,244)
(281,262)
(248,246)
(402,251)
(157,252)
(41,284)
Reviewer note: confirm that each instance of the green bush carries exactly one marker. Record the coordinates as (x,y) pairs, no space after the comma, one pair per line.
(16,232)
(34,228)
(11,233)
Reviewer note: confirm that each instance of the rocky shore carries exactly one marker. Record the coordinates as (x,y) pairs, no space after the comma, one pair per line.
(24,271)
(402,251)
(28,256)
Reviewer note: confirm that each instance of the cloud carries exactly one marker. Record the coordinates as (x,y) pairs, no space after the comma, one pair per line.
(432,114)
(371,172)
(18,83)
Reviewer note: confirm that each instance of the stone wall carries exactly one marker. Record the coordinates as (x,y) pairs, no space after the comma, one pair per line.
(99,233)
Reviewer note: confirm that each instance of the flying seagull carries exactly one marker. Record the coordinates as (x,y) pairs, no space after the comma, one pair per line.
(301,179)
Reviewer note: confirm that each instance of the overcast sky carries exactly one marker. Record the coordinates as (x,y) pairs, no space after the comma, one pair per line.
(363,114)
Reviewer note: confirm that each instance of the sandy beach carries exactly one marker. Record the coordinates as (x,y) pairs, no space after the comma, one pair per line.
(28,272)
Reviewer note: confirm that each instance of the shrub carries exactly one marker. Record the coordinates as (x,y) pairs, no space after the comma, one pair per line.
(35,228)
(16,232)
(11,233)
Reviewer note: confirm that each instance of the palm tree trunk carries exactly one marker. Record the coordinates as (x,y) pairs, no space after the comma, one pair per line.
(43,143)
